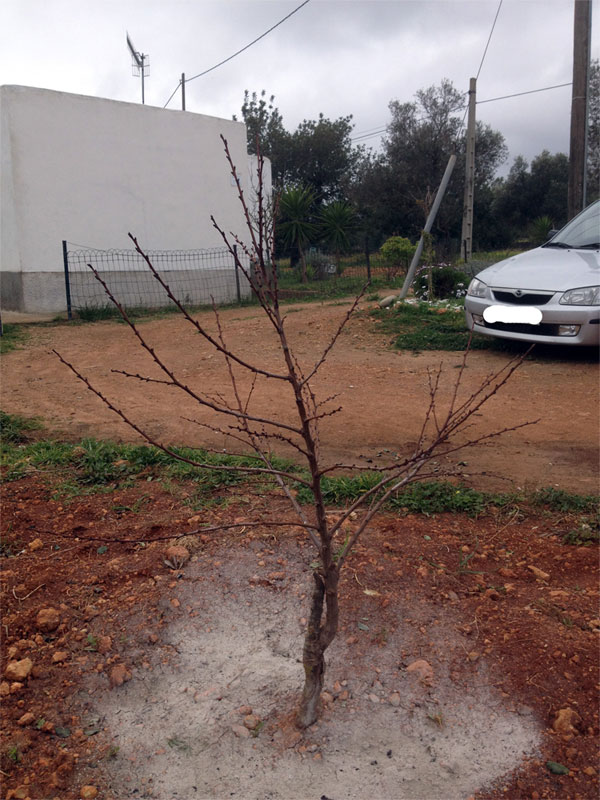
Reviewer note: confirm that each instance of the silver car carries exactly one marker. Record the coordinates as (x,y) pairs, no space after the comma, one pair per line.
(549,295)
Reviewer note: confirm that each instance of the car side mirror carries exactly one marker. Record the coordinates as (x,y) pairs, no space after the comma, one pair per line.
(551,233)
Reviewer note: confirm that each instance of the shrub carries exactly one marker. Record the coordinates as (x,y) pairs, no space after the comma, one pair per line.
(397,252)
(446,282)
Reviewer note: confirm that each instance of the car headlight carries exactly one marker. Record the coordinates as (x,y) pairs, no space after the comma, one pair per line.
(478,288)
(586,296)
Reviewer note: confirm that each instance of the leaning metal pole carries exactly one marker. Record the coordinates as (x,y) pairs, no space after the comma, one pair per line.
(410,275)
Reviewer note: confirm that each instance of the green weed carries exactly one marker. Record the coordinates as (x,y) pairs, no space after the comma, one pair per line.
(560,500)
(420,327)
(13,337)
(15,429)
(586,533)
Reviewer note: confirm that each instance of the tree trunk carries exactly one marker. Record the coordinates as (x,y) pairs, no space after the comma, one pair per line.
(317,640)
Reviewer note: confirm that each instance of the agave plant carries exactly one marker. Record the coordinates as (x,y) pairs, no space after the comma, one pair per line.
(539,229)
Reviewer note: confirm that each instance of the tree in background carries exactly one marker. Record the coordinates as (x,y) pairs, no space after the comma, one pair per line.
(399,186)
(264,124)
(593,163)
(530,192)
(323,157)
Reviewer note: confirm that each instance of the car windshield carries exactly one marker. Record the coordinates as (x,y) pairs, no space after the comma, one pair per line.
(582,232)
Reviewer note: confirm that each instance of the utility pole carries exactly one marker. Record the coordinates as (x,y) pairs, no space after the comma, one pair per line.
(582,33)
(467,223)
(183,91)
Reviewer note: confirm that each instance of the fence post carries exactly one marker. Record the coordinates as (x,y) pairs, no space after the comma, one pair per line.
(237,273)
(67,282)
(368,258)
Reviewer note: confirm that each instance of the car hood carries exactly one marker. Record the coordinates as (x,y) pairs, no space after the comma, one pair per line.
(545,269)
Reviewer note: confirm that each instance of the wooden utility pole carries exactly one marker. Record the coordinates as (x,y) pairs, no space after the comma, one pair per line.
(466,237)
(582,31)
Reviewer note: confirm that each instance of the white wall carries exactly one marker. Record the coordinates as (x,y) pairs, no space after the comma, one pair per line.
(90,170)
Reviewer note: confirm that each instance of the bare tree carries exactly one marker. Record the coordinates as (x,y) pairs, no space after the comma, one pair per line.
(444,430)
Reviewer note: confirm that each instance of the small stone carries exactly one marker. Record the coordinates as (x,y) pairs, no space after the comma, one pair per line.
(21,793)
(352,640)
(276,576)
(539,573)
(104,644)
(18,670)
(36,544)
(423,670)
(88,792)
(244,710)
(507,573)
(565,721)
(4,689)
(16,686)
(119,675)
(47,620)
(175,602)
(394,699)
(590,771)
(59,656)
(374,698)
(240,731)
(251,721)
(26,719)
(326,698)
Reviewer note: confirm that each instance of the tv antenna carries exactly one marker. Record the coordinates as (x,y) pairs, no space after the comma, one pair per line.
(140,64)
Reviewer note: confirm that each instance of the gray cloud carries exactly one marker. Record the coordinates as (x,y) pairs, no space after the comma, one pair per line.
(337,57)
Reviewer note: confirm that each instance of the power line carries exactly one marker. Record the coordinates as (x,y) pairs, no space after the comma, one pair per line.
(489,39)
(237,53)
(520,94)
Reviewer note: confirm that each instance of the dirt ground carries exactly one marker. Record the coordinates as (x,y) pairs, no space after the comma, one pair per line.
(383,393)
(466,664)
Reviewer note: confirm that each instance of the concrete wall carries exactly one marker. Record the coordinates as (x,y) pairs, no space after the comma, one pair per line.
(90,170)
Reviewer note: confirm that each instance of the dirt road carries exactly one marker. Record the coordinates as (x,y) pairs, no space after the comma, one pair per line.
(383,393)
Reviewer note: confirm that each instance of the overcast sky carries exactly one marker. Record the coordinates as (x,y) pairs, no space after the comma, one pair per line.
(337,57)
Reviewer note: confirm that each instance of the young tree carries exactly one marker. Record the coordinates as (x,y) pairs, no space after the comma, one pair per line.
(445,429)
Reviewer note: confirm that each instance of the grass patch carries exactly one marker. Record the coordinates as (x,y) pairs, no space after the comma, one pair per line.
(420,327)
(13,336)
(15,429)
(427,497)
(95,465)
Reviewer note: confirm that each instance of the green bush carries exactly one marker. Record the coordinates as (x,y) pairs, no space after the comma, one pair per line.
(397,251)
(446,282)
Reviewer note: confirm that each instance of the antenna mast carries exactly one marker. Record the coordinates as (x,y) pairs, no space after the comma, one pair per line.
(140,64)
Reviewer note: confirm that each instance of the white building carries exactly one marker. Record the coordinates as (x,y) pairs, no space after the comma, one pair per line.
(89,171)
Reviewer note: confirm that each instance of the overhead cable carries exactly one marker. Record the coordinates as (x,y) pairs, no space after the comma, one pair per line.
(489,39)
(237,53)
(520,94)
